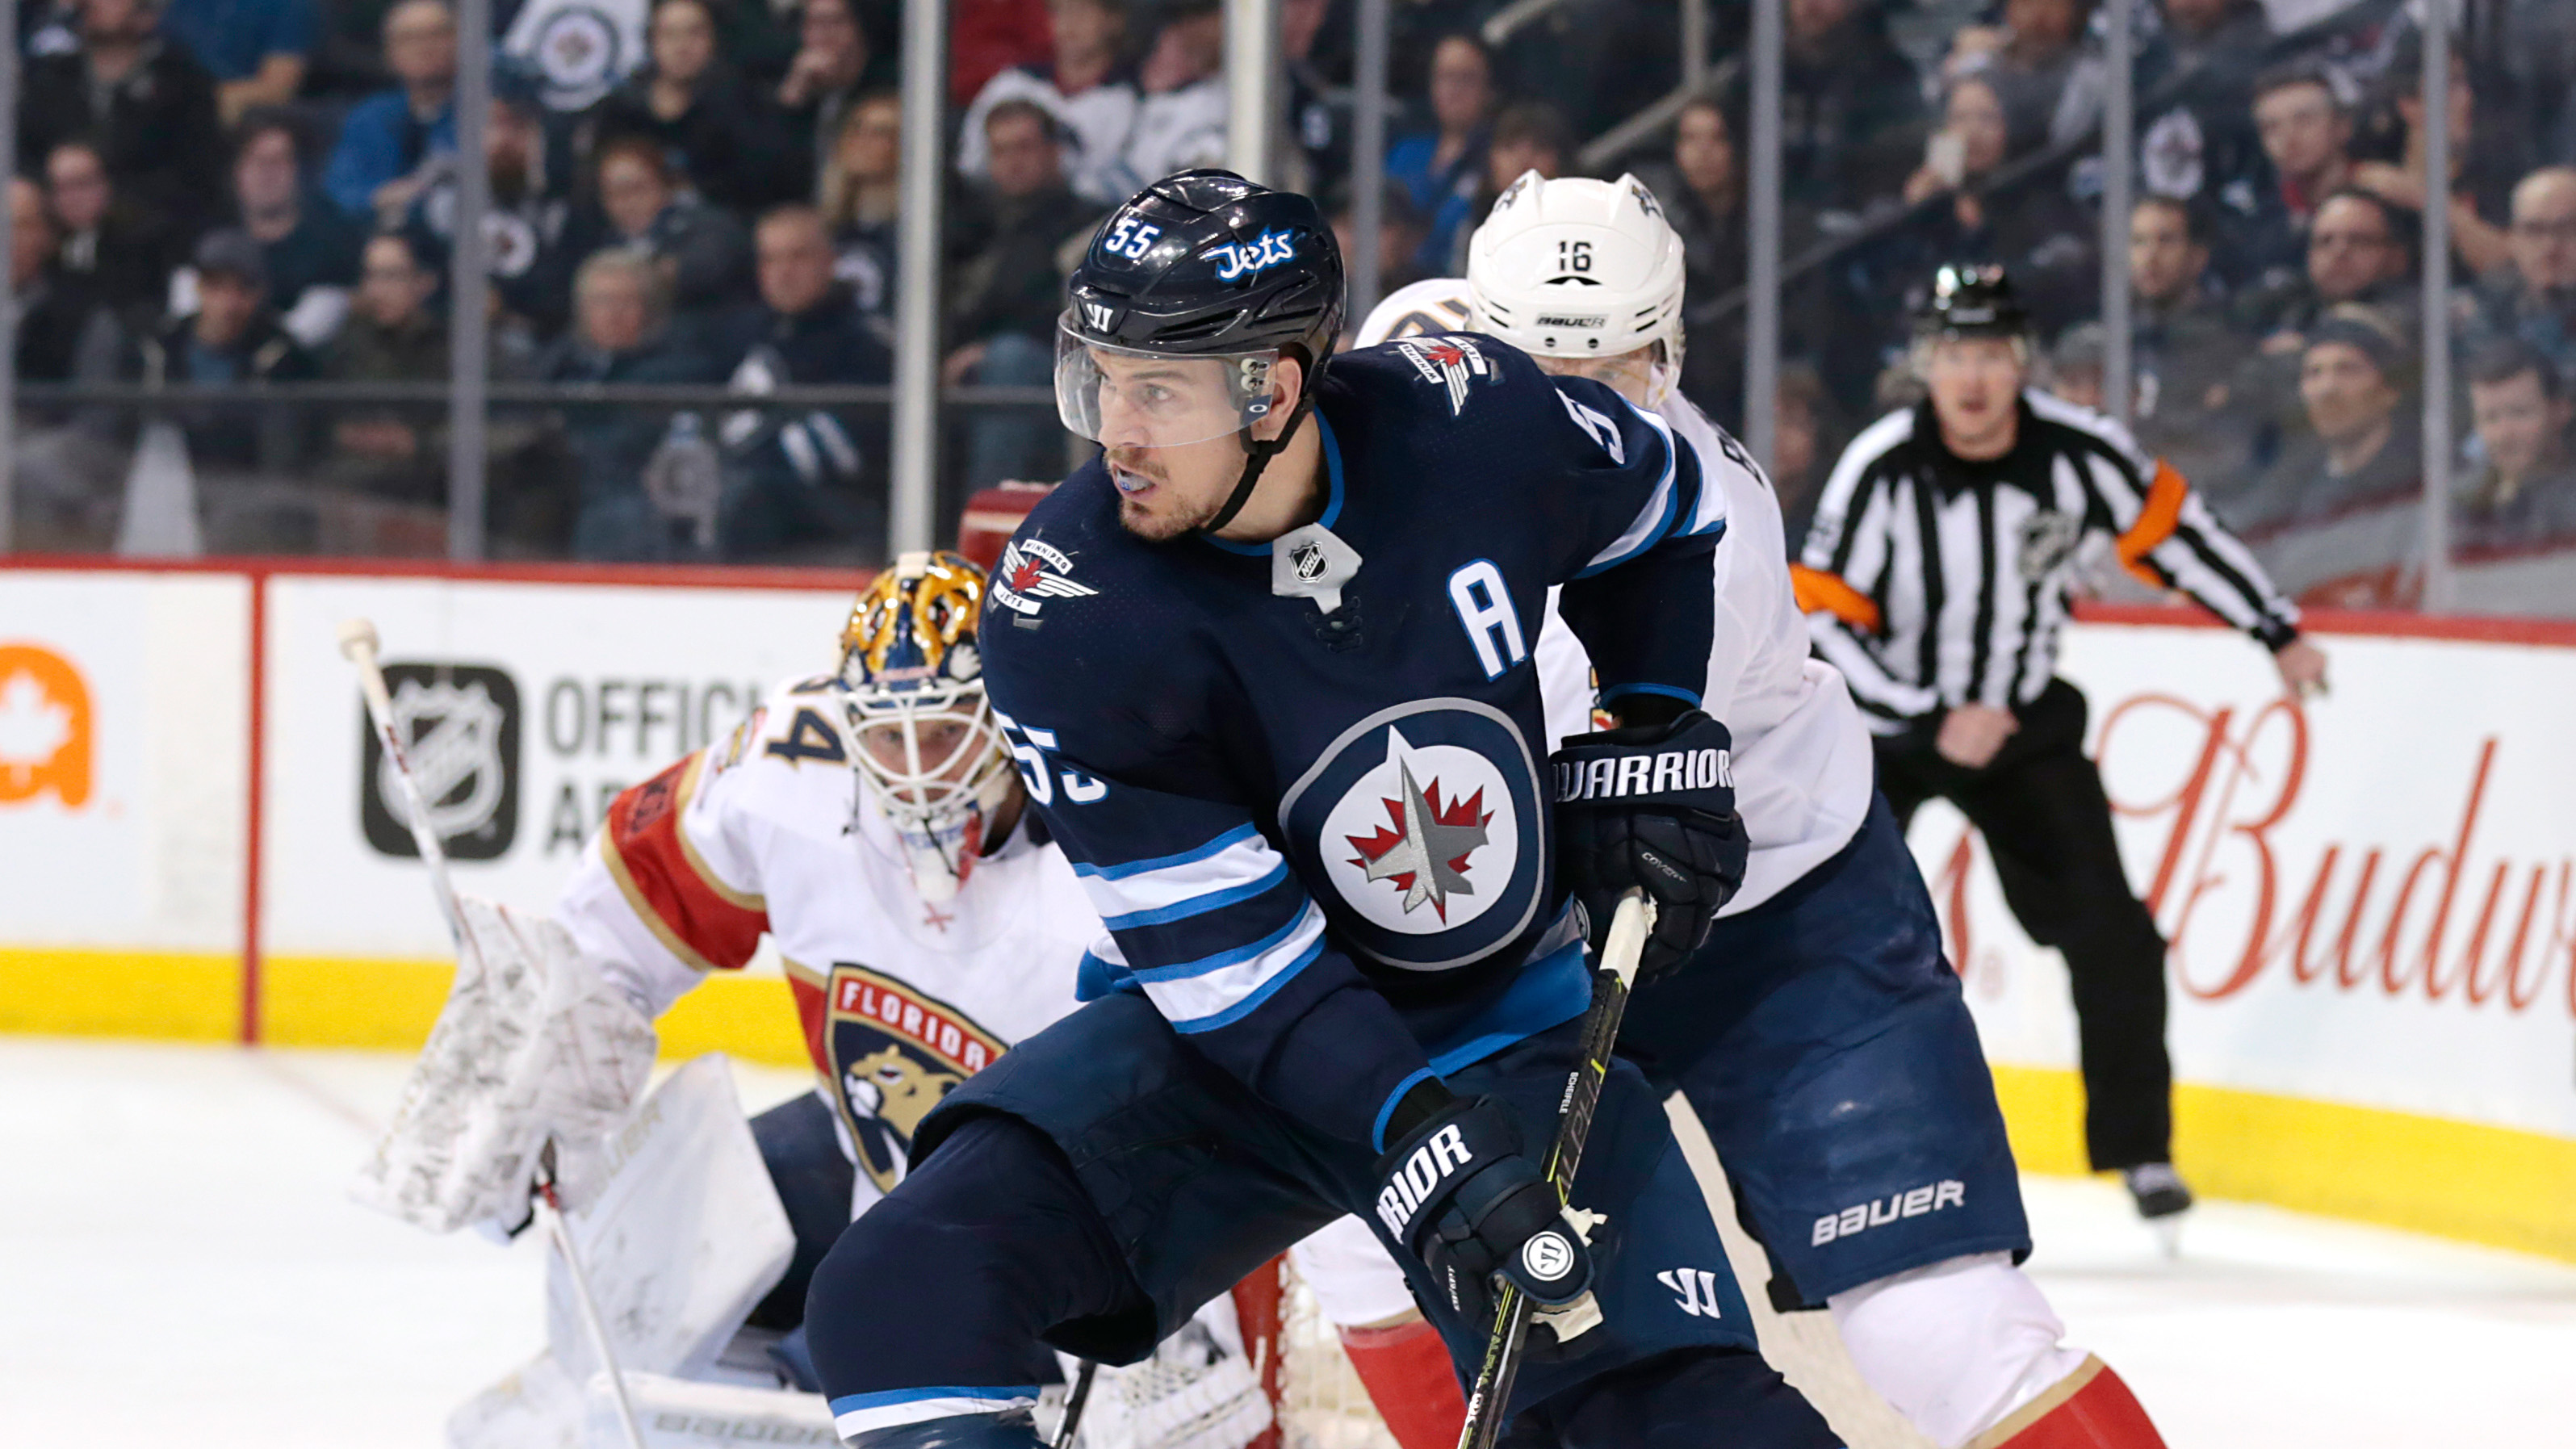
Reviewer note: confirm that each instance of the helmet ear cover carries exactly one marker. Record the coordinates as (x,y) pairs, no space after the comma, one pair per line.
(1259,453)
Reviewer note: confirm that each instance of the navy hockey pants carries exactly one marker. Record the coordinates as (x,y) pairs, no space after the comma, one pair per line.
(1101,1181)
(1822,1039)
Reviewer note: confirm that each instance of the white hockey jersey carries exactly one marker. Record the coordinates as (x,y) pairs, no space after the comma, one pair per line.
(767,831)
(1803,769)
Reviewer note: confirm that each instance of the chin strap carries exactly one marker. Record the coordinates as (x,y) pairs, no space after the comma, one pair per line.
(1263,452)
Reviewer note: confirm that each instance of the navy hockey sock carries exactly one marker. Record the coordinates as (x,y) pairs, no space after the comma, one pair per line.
(933,1303)
(1688,1399)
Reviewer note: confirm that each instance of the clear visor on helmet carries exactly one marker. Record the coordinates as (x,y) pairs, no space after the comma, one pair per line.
(1119,397)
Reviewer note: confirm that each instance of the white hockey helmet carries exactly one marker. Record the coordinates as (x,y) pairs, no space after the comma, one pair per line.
(1577,268)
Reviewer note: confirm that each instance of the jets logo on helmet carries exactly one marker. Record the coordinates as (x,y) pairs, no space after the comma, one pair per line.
(928,749)
(1236,259)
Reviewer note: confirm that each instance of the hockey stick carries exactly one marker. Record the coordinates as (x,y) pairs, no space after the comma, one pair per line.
(561,1231)
(358,642)
(1491,1396)
(1073,1405)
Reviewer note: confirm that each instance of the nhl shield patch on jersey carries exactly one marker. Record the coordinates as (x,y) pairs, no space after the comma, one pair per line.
(1425,821)
(1453,363)
(1031,573)
(895,1053)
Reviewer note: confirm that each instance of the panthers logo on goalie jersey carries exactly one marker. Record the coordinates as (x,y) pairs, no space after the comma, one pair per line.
(1424,818)
(895,1053)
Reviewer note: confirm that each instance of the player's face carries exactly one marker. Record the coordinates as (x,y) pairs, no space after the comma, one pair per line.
(1631,374)
(1975,383)
(1169,431)
(942,740)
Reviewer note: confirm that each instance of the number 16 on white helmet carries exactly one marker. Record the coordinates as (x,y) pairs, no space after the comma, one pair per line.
(1585,275)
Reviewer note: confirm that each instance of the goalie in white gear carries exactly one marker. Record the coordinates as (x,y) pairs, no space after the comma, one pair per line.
(871,823)
(1818,1033)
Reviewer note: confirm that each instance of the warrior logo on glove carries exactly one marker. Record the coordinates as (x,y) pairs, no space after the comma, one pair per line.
(1652,808)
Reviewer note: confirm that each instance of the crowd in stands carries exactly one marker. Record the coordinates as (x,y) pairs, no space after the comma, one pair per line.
(706,192)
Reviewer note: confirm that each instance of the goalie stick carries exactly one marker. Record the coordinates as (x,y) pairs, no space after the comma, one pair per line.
(1490,1396)
(359,642)
(1073,1405)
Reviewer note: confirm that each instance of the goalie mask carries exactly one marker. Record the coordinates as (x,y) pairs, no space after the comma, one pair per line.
(1584,275)
(923,735)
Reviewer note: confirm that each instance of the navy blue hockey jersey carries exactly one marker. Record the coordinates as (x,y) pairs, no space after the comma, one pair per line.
(1322,842)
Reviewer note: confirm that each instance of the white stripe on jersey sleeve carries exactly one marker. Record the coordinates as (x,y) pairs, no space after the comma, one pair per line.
(1218,990)
(1653,522)
(1235,866)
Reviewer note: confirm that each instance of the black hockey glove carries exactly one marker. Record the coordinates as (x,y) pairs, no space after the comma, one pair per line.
(1458,1192)
(1652,807)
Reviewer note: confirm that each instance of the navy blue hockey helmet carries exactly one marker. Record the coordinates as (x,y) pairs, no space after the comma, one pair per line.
(1202,264)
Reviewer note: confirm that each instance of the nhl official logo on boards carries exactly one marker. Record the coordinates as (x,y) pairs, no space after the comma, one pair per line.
(1033,571)
(896,1052)
(1454,363)
(1425,819)
(460,723)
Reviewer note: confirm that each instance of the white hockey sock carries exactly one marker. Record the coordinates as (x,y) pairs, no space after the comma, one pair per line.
(1956,1346)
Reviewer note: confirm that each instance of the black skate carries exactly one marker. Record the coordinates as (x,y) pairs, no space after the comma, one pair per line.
(2162,1200)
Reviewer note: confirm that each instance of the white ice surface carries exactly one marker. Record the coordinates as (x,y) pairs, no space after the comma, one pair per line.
(179,1265)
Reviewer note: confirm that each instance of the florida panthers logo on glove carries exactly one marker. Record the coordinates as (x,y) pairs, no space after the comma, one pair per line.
(1424,821)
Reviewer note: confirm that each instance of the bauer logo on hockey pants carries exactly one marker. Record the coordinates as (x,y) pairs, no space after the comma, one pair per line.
(1912,1203)
(1440,1156)
(1620,777)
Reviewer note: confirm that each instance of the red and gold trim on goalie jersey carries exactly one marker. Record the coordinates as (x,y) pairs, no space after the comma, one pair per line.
(889,1053)
(696,916)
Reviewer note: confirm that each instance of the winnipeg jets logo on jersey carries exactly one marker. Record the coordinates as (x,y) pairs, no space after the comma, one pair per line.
(1425,848)
(1455,363)
(1425,819)
(1236,260)
(1033,572)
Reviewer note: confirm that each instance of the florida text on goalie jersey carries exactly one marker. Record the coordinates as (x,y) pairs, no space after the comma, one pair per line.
(907,978)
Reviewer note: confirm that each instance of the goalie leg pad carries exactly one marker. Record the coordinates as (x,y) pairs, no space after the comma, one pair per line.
(954,1278)
(1960,1347)
(1410,1379)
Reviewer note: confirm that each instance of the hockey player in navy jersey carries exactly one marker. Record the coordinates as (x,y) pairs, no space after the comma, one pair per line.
(1266,666)
(1818,1032)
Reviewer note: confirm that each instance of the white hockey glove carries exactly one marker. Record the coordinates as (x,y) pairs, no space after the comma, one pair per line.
(532,1045)
(1198,1391)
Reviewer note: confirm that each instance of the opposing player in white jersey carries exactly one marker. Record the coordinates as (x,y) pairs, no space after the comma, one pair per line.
(1818,1032)
(871,822)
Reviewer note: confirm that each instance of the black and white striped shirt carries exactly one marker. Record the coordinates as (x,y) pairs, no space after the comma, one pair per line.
(1931,581)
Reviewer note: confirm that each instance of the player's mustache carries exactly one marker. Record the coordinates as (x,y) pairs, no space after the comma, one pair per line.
(1137,463)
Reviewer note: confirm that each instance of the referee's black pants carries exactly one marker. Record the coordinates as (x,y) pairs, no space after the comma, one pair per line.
(2039,804)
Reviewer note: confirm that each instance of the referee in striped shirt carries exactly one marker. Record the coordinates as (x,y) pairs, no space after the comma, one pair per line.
(1936,577)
